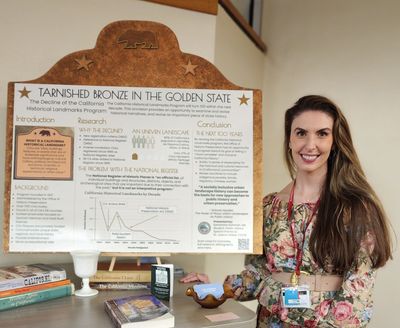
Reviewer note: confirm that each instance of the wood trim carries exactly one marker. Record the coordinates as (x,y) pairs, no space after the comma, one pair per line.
(203,6)
(243,24)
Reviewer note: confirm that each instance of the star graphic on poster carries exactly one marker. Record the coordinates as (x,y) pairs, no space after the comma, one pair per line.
(24,93)
(189,68)
(83,63)
(243,100)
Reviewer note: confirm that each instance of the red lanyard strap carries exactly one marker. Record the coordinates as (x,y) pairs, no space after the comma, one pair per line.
(298,249)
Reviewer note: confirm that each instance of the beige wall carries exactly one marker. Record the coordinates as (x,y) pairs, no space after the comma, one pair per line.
(348,50)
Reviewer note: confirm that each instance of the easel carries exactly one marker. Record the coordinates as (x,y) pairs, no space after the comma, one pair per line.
(134,255)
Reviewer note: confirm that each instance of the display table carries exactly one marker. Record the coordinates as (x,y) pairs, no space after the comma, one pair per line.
(73,311)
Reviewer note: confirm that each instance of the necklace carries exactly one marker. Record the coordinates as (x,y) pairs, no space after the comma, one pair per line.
(299,248)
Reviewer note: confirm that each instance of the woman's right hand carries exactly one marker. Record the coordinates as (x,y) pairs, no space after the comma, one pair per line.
(195,277)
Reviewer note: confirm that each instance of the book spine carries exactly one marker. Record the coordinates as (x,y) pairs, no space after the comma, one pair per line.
(121,276)
(115,314)
(35,297)
(37,279)
(6,293)
(118,285)
(124,266)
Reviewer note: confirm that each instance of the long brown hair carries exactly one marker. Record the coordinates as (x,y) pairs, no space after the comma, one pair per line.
(349,208)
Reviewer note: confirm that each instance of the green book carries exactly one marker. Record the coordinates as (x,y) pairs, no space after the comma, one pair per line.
(35,297)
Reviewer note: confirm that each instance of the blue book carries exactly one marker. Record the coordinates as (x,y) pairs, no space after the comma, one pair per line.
(35,297)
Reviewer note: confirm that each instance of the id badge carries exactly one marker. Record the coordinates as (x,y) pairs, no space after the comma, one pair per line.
(296,297)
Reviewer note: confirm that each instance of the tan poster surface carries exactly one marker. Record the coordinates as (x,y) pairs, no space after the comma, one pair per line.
(132,169)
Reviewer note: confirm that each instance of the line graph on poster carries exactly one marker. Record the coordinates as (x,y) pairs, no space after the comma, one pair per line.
(125,220)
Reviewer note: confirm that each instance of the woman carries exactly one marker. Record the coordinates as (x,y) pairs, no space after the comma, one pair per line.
(325,233)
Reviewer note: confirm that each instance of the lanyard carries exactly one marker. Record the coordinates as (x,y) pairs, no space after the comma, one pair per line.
(299,248)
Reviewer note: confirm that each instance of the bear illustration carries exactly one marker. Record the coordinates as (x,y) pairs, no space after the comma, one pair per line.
(44,133)
(141,39)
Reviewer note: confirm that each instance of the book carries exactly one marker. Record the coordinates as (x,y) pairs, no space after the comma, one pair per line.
(36,296)
(22,290)
(144,311)
(122,272)
(29,275)
(148,259)
(162,281)
(119,285)
(178,271)
(124,266)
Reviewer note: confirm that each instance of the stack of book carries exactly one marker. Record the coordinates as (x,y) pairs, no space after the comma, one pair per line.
(26,284)
(124,276)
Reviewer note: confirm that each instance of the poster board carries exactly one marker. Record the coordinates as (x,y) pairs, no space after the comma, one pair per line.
(114,142)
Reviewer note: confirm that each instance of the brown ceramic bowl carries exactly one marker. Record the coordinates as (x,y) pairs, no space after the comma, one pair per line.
(210,301)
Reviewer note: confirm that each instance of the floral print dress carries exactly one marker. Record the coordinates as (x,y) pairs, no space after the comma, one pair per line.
(350,306)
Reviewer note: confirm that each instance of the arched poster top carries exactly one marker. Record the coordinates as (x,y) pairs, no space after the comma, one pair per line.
(133,146)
